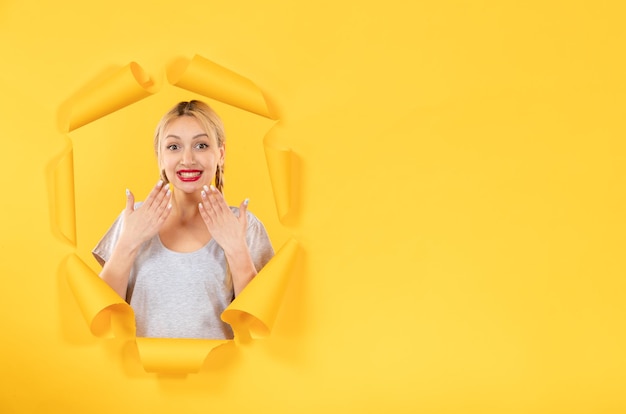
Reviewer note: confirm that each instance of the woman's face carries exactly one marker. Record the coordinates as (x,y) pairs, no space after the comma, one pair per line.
(189,155)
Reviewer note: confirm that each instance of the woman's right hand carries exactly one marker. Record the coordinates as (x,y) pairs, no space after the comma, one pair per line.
(143,223)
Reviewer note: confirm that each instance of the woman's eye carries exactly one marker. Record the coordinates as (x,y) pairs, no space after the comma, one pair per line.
(202,146)
(172,147)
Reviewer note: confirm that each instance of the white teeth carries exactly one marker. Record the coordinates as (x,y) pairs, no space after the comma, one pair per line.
(188,174)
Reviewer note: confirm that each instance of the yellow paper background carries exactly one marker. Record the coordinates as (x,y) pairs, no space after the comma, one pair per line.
(459,203)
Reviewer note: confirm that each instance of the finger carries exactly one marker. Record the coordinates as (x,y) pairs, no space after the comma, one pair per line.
(243,209)
(154,193)
(162,206)
(130,201)
(208,220)
(205,208)
(161,198)
(218,202)
(208,203)
(164,198)
(165,213)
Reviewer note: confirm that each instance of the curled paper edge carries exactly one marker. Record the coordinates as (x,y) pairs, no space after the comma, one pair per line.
(175,355)
(107,314)
(254,310)
(63,197)
(202,76)
(118,90)
(279,165)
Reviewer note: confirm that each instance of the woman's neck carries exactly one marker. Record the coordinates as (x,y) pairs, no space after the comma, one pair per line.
(185,206)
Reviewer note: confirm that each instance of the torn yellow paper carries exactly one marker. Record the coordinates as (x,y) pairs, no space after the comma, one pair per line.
(279,164)
(122,88)
(106,312)
(207,78)
(253,312)
(63,197)
(175,356)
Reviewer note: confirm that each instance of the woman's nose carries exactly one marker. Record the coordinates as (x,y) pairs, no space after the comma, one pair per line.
(187,157)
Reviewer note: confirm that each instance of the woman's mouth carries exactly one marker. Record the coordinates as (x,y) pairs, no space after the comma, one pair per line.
(189,175)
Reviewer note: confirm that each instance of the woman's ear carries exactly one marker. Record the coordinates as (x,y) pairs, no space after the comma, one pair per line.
(161,170)
(222,155)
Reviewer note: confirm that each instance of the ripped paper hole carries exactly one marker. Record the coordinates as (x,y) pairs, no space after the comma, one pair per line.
(253,313)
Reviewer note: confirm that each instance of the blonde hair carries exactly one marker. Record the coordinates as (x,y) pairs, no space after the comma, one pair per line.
(210,121)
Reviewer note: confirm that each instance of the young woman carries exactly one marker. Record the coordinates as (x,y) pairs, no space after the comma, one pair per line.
(180,257)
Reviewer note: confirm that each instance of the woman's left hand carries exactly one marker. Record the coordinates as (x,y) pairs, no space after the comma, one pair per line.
(228,230)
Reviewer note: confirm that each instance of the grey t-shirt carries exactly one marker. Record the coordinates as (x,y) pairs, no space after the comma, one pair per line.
(182,295)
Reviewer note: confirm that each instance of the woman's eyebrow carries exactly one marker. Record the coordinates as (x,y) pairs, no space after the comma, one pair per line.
(201,135)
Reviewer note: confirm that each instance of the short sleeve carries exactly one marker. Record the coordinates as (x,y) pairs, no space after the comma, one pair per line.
(261,249)
(103,250)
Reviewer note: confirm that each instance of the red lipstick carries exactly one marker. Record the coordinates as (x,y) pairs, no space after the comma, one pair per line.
(188,175)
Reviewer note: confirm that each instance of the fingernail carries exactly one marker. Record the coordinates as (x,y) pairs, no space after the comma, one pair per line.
(213,188)
(246,201)
(127,192)
(203,193)
(160,183)
(168,192)
(169,206)
(206,188)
